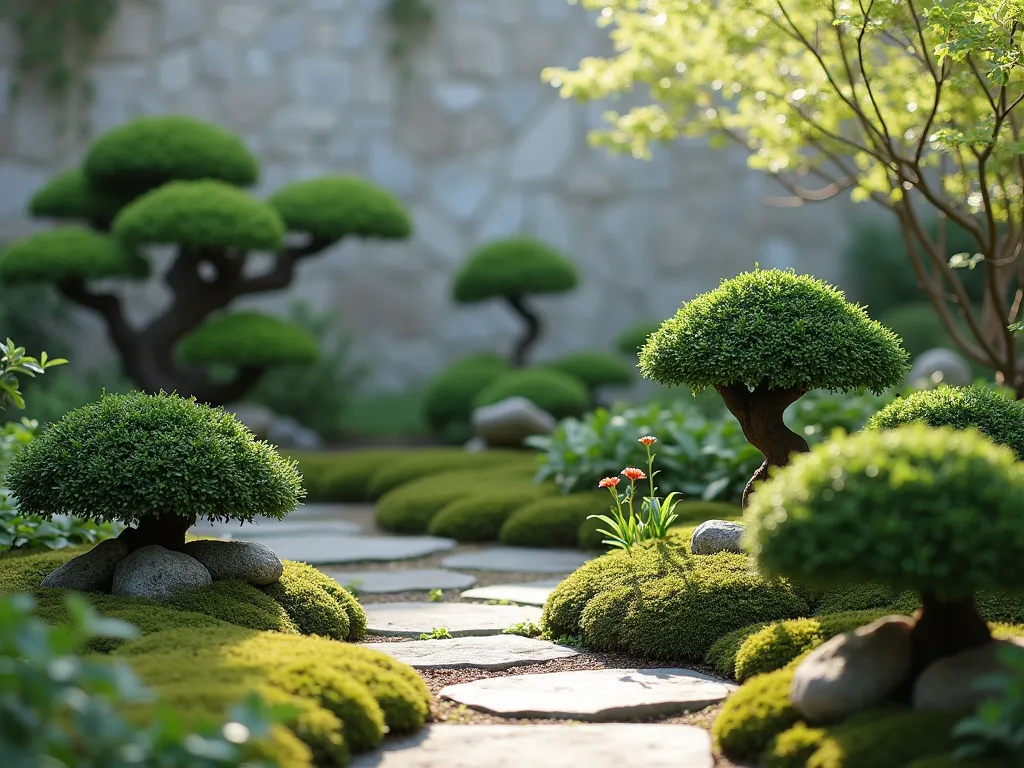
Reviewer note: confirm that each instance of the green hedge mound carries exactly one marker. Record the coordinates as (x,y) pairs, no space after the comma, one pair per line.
(558,393)
(448,402)
(552,522)
(342,477)
(317,604)
(480,517)
(414,465)
(754,715)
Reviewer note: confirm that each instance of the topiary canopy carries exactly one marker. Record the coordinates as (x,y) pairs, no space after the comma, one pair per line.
(249,339)
(335,207)
(998,416)
(631,340)
(557,393)
(69,195)
(73,253)
(517,266)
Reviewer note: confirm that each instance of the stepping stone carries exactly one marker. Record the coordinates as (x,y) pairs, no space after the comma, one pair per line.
(336,549)
(518,560)
(547,746)
(496,652)
(261,529)
(598,695)
(532,593)
(460,619)
(389,582)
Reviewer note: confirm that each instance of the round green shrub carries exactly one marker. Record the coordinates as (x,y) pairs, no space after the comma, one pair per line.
(918,326)
(335,207)
(416,464)
(200,215)
(553,522)
(631,340)
(998,416)
(449,397)
(514,267)
(70,253)
(594,369)
(136,456)
(150,151)
(248,338)
(792,748)
(237,603)
(69,195)
(891,506)
(317,604)
(754,715)
(777,328)
(342,476)
(721,656)
(557,393)
(480,517)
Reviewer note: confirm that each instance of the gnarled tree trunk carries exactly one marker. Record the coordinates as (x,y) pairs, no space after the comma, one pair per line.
(530,335)
(167,531)
(944,628)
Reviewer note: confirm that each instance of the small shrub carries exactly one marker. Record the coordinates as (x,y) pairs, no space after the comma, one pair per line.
(553,522)
(557,393)
(754,715)
(595,369)
(317,604)
(524,629)
(480,517)
(448,403)
(437,633)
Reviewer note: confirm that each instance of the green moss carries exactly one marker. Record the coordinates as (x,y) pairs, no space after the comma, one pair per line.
(995,414)
(342,476)
(721,656)
(776,327)
(449,397)
(792,748)
(317,605)
(150,151)
(553,522)
(514,267)
(860,596)
(69,195)
(595,369)
(557,393)
(754,715)
(479,517)
(25,572)
(631,340)
(200,215)
(70,253)
(237,603)
(336,207)
(249,338)
(414,465)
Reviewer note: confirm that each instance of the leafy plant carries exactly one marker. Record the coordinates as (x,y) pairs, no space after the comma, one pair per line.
(14,363)
(64,710)
(524,629)
(996,729)
(436,595)
(437,633)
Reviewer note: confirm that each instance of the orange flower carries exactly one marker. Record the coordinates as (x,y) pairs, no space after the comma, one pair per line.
(634,474)
(608,482)
(647,440)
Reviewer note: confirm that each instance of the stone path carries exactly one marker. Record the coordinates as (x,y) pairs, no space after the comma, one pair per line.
(534,593)
(494,652)
(460,619)
(518,560)
(396,582)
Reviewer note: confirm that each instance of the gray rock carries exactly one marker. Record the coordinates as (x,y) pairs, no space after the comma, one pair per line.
(939,366)
(158,574)
(243,560)
(92,571)
(460,619)
(496,652)
(288,433)
(518,560)
(509,422)
(390,582)
(713,536)
(853,671)
(951,684)
(596,695)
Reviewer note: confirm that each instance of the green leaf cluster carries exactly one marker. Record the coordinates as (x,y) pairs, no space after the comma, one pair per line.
(558,393)
(594,368)
(249,338)
(71,253)
(512,268)
(335,207)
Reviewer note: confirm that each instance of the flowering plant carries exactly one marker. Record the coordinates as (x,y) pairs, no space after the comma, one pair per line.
(656,515)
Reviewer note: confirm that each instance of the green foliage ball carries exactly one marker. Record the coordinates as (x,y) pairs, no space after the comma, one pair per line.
(69,195)
(450,395)
(754,715)
(553,522)
(916,507)
(557,393)
(777,328)
(149,151)
(514,267)
(632,340)
(249,338)
(480,517)
(998,416)
(335,207)
(71,253)
(135,456)
(594,369)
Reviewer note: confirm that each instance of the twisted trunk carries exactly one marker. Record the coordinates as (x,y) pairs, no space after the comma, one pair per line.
(944,628)
(167,531)
(530,335)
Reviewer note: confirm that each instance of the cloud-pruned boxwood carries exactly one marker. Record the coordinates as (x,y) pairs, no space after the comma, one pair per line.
(73,253)
(891,506)
(997,415)
(762,340)
(479,517)
(595,369)
(416,464)
(553,522)
(448,402)
(558,393)
(333,208)
(70,196)
(249,338)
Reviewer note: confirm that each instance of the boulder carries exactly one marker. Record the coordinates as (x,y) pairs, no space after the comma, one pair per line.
(939,366)
(257,418)
(951,684)
(243,560)
(508,422)
(853,671)
(286,432)
(92,571)
(713,536)
(158,573)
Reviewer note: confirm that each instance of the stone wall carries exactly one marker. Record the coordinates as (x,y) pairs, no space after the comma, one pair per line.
(463,131)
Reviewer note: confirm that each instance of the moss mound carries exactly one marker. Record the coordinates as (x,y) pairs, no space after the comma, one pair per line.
(317,604)
(414,465)
(552,522)
(480,517)
(237,603)
(754,715)
(21,572)
(557,393)
(342,476)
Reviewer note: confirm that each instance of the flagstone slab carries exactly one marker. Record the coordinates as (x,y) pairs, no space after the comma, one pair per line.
(338,549)
(518,560)
(261,529)
(391,582)
(531,593)
(495,653)
(595,695)
(460,619)
(612,745)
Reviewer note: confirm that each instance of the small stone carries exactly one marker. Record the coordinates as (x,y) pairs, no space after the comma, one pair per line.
(532,593)
(951,684)
(495,652)
(243,560)
(339,550)
(92,571)
(460,619)
(853,671)
(939,366)
(518,560)
(286,432)
(390,582)
(158,574)
(713,536)
(598,695)
(507,423)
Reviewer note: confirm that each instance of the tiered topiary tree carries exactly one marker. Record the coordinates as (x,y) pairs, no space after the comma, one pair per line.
(179,182)
(514,269)
(764,339)
(934,510)
(155,462)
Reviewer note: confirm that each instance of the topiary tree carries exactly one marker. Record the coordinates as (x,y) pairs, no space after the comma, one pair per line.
(179,182)
(557,393)
(513,269)
(764,339)
(156,462)
(595,369)
(933,510)
(448,401)
(997,416)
